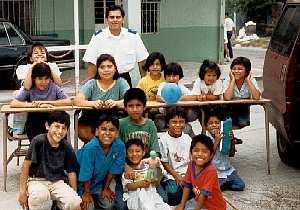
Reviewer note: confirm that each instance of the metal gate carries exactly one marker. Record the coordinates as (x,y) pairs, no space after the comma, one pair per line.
(20,12)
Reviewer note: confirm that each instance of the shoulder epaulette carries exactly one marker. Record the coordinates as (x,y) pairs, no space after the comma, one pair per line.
(98,32)
(132,31)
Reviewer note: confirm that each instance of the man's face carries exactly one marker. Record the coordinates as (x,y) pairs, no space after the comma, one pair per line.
(115,20)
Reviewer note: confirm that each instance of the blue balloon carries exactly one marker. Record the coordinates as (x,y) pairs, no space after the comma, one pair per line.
(171,93)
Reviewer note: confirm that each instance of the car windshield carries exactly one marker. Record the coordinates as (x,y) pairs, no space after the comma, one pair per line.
(3,35)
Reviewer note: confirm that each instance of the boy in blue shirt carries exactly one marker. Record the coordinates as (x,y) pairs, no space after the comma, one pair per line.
(100,160)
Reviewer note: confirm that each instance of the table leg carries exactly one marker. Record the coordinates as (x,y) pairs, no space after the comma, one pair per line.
(5,121)
(76,113)
(267,135)
(202,120)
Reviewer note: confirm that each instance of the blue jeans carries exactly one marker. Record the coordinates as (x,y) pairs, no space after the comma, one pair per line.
(232,182)
(170,192)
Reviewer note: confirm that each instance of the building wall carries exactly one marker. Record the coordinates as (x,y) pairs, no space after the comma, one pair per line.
(57,17)
(190,30)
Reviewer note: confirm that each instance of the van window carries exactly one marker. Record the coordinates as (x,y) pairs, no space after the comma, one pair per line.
(285,34)
(3,35)
(15,39)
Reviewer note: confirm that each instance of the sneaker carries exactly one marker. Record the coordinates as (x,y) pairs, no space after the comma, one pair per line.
(238,141)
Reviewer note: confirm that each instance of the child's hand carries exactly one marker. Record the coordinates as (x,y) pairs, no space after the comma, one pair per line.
(98,104)
(249,77)
(201,97)
(86,200)
(46,106)
(107,193)
(129,173)
(231,75)
(23,200)
(218,137)
(144,184)
(154,182)
(109,103)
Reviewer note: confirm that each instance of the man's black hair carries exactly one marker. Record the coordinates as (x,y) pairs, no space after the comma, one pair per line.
(114,8)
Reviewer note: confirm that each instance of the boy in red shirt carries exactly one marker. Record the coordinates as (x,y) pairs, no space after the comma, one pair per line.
(201,177)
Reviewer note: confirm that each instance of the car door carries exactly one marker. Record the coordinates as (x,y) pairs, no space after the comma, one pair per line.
(278,55)
(12,48)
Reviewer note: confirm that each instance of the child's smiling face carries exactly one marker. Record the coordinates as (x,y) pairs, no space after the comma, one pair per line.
(239,72)
(135,154)
(213,125)
(201,155)
(106,133)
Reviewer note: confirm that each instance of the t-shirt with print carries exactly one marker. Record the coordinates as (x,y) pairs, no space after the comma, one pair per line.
(207,182)
(150,86)
(201,88)
(51,162)
(244,92)
(35,123)
(176,152)
(92,92)
(146,132)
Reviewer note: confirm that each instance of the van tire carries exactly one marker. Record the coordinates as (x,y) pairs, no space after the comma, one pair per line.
(285,150)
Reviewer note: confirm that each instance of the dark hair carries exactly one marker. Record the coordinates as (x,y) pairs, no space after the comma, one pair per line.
(173,69)
(208,65)
(135,93)
(209,114)
(135,141)
(242,61)
(107,117)
(152,57)
(40,70)
(174,111)
(33,46)
(226,14)
(130,142)
(203,139)
(114,8)
(101,59)
(59,117)
(85,120)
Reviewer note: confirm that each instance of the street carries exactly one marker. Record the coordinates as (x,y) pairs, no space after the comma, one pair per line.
(278,191)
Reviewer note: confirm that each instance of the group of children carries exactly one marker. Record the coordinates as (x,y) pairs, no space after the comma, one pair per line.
(113,166)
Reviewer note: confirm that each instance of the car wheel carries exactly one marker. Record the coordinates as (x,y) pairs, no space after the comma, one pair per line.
(286,151)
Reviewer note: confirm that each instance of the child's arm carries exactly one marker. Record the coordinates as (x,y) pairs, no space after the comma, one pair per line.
(255,93)
(106,191)
(73,180)
(23,184)
(22,104)
(28,81)
(55,73)
(112,103)
(178,178)
(200,201)
(86,197)
(184,198)
(140,184)
(228,94)
(211,97)
(159,99)
(61,102)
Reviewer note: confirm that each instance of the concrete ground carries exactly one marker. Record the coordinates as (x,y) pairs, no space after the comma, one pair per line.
(278,191)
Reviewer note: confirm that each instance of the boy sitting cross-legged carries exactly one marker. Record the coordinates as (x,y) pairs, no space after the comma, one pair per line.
(43,172)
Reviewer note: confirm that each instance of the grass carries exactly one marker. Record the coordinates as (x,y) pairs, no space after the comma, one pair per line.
(262,42)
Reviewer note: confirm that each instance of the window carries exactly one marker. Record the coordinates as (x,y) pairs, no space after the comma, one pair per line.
(3,35)
(285,34)
(150,16)
(100,8)
(14,38)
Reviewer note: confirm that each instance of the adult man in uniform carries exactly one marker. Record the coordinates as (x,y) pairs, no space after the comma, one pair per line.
(230,29)
(125,45)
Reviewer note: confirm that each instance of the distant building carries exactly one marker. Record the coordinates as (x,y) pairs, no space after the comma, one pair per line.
(189,30)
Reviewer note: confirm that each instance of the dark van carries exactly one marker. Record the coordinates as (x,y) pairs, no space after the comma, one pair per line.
(281,79)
